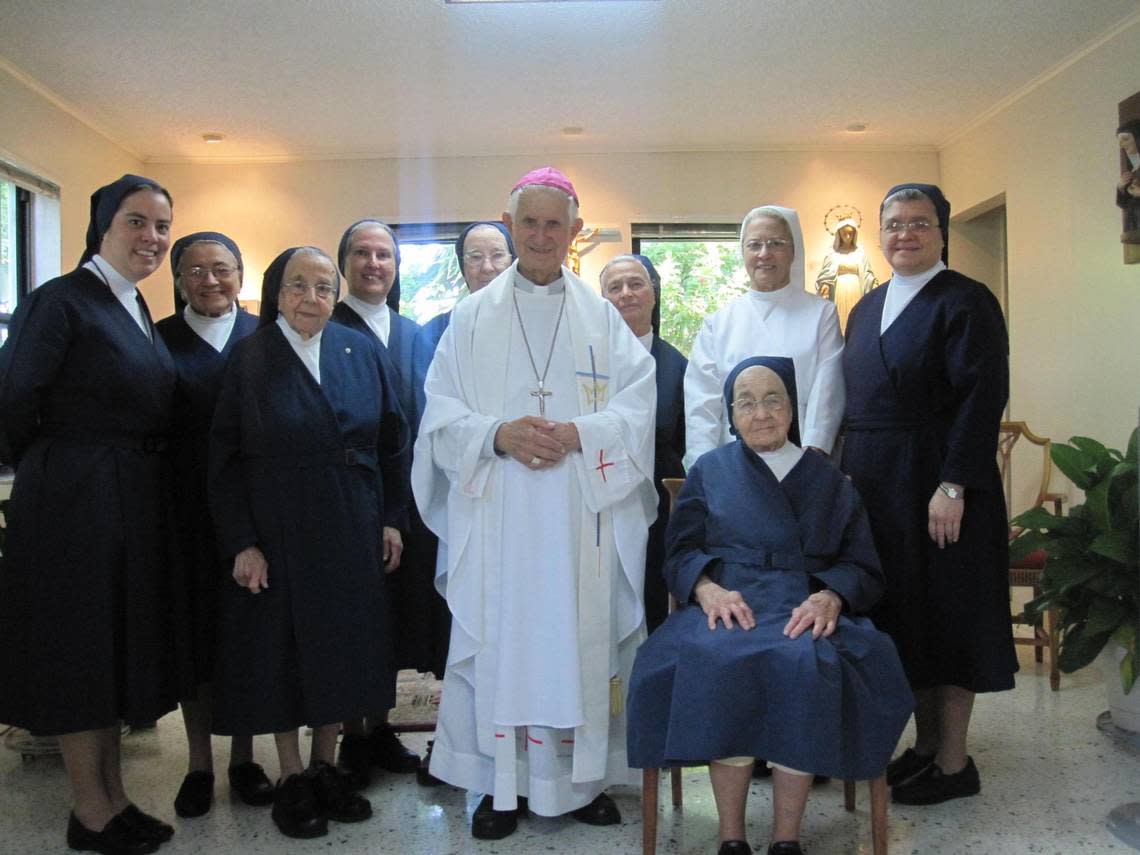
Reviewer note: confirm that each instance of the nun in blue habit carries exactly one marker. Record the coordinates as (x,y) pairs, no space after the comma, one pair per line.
(86,394)
(307,467)
(771,556)
(486,260)
(200,336)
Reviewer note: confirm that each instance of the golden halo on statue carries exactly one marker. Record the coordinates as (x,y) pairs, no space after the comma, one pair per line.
(838,213)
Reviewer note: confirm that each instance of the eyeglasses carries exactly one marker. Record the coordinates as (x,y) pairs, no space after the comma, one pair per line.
(477,258)
(772,404)
(895,227)
(771,244)
(321,291)
(220,271)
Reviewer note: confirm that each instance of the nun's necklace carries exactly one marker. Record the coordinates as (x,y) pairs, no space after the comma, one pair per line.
(542,393)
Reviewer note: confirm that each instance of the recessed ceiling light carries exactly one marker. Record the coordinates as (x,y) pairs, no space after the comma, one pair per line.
(573,130)
(856,127)
(212,138)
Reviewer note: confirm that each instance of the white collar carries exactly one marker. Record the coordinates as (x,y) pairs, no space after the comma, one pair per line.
(647,340)
(917,280)
(777,296)
(195,319)
(296,339)
(551,288)
(118,283)
(364,308)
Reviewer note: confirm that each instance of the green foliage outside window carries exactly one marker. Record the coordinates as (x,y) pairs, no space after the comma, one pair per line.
(697,278)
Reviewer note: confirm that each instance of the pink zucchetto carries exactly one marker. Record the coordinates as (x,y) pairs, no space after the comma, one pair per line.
(548,176)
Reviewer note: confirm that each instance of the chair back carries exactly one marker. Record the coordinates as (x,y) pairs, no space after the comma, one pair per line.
(1033,496)
(672,487)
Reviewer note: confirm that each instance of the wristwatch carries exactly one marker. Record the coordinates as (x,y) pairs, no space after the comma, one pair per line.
(952,492)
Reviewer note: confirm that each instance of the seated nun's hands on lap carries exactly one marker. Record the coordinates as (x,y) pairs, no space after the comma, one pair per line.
(774,542)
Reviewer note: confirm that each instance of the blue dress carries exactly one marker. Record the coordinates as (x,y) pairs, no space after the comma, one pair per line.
(423,350)
(85,605)
(834,706)
(200,369)
(669,450)
(309,474)
(924,404)
(420,615)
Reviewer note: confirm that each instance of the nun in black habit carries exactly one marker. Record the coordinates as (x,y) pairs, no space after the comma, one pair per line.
(200,335)
(369,258)
(86,390)
(642,312)
(774,544)
(927,376)
(307,467)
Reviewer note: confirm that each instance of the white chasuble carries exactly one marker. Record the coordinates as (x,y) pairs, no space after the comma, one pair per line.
(542,570)
(788,322)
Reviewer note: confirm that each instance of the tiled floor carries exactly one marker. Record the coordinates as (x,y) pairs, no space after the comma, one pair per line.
(1049,778)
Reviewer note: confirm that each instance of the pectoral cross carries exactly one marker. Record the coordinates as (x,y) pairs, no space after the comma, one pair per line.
(542,395)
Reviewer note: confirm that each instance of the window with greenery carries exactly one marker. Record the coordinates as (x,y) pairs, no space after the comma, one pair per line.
(29,237)
(430,279)
(9,254)
(700,268)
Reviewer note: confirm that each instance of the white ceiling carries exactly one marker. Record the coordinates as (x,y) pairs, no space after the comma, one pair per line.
(351,78)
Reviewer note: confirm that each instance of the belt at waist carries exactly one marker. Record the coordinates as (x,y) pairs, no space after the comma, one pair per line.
(363,457)
(773,559)
(156,444)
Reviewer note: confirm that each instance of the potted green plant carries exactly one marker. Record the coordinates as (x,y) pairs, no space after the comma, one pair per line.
(1091,576)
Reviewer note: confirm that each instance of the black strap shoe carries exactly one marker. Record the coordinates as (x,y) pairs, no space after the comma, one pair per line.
(601,811)
(295,809)
(933,786)
(906,766)
(785,847)
(389,753)
(335,796)
(249,783)
(116,838)
(490,824)
(734,847)
(195,796)
(146,825)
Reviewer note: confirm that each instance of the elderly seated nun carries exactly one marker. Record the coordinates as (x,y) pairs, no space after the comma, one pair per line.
(307,466)
(770,555)
(200,335)
(86,391)
(775,316)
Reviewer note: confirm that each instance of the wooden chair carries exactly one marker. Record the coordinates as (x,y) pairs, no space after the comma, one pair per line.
(651,778)
(1026,572)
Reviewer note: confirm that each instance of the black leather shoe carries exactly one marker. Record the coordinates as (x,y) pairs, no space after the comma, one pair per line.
(734,847)
(906,766)
(295,809)
(355,760)
(785,847)
(249,783)
(335,796)
(389,753)
(145,825)
(932,786)
(760,769)
(490,824)
(601,811)
(423,774)
(118,837)
(195,795)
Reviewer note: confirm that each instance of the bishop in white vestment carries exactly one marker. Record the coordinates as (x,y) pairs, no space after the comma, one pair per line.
(776,317)
(534,467)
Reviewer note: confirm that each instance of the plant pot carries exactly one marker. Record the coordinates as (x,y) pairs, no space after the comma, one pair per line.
(1125,709)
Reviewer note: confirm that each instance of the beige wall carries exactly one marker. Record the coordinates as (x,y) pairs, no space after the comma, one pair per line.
(43,139)
(1073,306)
(267,207)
